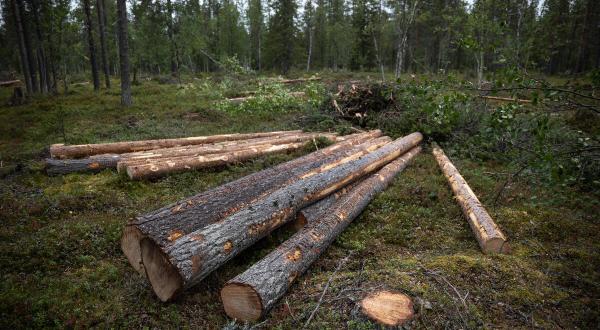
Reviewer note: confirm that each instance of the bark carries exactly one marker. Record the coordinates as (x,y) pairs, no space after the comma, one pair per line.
(22,49)
(193,213)
(41,56)
(28,48)
(98,163)
(83,150)
(312,212)
(387,308)
(250,295)
(101,11)
(192,257)
(489,236)
(126,99)
(91,45)
(172,44)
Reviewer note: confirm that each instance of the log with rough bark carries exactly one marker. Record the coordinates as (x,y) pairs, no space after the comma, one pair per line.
(192,257)
(167,224)
(312,212)
(388,308)
(250,295)
(490,237)
(84,150)
(506,99)
(238,100)
(97,163)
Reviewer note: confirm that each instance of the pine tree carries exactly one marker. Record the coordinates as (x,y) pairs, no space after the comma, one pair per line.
(281,35)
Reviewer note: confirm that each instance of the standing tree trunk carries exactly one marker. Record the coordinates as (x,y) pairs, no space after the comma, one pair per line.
(91,45)
(192,257)
(41,56)
(310,46)
(22,48)
(101,10)
(172,44)
(403,27)
(123,53)
(251,294)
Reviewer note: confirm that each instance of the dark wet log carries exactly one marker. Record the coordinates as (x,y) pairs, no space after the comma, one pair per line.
(91,165)
(84,150)
(390,309)
(192,257)
(490,237)
(250,295)
(167,224)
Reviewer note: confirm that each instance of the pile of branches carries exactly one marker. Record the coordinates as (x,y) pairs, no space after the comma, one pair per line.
(356,103)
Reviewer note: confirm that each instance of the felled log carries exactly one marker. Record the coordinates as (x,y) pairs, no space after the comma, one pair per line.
(149,156)
(299,80)
(98,163)
(10,83)
(192,257)
(164,226)
(506,99)
(84,150)
(238,100)
(391,309)
(312,212)
(250,295)
(490,237)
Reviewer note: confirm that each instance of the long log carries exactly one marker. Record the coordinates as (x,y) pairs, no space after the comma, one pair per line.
(84,150)
(238,100)
(490,237)
(97,163)
(167,224)
(505,99)
(192,257)
(250,295)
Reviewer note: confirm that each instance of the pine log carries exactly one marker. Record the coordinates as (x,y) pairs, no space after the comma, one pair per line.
(10,83)
(293,81)
(133,159)
(192,257)
(238,100)
(490,237)
(167,224)
(84,150)
(250,295)
(390,309)
(312,212)
(506,99)
(97,163)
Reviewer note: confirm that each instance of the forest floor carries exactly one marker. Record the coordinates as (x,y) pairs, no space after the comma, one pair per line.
(62,265)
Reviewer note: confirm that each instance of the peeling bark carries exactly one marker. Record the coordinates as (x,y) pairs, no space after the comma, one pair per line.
(193,256)
(490,237)
(250,295)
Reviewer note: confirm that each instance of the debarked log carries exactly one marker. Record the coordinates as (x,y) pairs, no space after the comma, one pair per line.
(490,237)
(173,221)
(250,295)
(192,257)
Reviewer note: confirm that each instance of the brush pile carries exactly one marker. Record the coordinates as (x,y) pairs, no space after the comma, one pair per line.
(155,158)
(178,245)
(356,102)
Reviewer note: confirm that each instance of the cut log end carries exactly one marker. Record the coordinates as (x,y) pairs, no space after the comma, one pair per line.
(388,308)
(496,245)
(130,245)
(241,302)
(163,276)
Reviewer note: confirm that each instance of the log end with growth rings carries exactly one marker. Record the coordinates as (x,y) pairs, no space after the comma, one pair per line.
(496,245)
(241,302)
(388,308)
(163,276)
(130,245)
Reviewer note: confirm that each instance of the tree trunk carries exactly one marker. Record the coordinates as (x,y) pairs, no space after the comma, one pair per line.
(41,56)
(489,236)
(101,11)
(91,44)
(22,48)
(191,214)
(93,164)
(123,53)
(83,150)
(172,44)
(250,295)
(192,257)
(310,45)
(387,308)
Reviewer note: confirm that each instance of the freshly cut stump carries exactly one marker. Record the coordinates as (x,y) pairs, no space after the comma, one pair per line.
(250,295)
(165,225)
(490,237)
(388,308)
(199,253)
(84,150)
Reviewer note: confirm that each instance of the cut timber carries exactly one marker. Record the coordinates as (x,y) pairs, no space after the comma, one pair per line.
(388,308)
(489,236)
(84,150)
(195,255)
(91,164)
(250,295)
(167,224)
(238,100)
(312,212)
(506,99)
(10,83)
(299,80)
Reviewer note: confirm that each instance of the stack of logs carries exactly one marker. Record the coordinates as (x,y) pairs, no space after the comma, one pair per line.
(155,158)
(177,246)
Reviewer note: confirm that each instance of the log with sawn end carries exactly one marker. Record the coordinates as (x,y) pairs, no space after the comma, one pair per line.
(192,257)
(250,295)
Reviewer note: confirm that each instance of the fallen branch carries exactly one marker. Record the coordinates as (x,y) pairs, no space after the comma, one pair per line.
(507,99)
